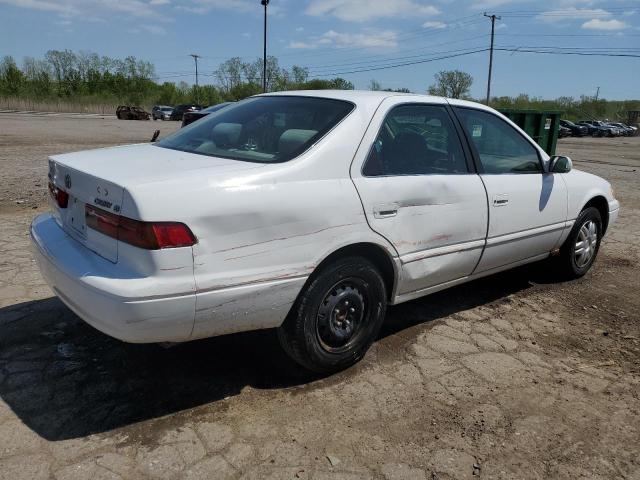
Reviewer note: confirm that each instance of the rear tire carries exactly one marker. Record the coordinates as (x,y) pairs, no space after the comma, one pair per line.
(336,317)
(580,249)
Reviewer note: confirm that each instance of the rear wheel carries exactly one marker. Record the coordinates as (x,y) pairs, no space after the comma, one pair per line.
(337,317)
(581,246)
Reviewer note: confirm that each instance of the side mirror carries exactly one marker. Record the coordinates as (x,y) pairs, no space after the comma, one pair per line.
(560,164)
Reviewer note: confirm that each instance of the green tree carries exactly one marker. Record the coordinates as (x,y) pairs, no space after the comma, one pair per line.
(451,84)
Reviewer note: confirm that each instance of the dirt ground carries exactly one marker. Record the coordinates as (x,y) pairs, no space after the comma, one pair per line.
(515,376)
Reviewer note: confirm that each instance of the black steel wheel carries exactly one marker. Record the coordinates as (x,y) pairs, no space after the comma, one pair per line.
(337,316)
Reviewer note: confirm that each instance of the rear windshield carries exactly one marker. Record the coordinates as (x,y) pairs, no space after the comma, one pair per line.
(261,129)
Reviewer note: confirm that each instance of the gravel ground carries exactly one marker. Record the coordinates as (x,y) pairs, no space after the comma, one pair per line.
(513,376)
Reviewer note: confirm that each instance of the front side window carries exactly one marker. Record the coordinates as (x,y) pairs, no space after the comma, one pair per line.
(416,140)
(501,148)
(261,129)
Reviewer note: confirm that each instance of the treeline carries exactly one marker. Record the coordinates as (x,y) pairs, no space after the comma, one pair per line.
(90,78)
(583,108)
(85,78)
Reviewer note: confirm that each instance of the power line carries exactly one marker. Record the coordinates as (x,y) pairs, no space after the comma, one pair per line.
(417,62)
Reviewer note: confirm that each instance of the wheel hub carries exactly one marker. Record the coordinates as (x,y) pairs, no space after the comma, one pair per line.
(586,243)
(340,317)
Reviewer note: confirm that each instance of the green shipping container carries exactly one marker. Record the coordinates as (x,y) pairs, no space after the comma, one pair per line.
(541,125)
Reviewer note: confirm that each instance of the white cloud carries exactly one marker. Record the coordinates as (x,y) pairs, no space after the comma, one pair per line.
(436,25)
(92,9)
(302,45)
(242,6)
(154,29)
(383,39)
(365,10)
(572,13)
(597,24)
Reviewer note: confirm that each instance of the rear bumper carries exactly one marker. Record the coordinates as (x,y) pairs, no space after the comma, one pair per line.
(95,289)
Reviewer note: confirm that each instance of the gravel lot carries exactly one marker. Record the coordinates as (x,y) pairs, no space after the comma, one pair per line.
(513,376)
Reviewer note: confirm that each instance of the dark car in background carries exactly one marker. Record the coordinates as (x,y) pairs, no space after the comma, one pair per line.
(594,130)
(608,130)
(563,132)
(192,116)
(576,130)
(127,112)
(179,110)
(162,112)
(627,131)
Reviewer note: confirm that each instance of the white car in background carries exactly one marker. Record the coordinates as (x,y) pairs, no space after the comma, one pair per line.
(310,212)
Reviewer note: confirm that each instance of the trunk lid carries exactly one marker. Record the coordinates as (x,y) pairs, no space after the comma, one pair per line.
(100,178)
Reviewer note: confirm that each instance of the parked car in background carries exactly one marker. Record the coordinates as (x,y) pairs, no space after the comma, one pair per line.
(179,110)
(191,116)
(162,112)
(576,130)
(126,112)
(594,130)
(563,132)
(609,130)
(297,211)
(626,129)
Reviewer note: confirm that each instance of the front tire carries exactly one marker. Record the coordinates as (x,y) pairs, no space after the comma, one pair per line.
(581,247)
(337,316)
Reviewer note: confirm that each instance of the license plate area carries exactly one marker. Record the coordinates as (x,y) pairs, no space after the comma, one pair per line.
(75,217)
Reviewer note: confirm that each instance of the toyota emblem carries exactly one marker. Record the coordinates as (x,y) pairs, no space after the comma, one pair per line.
(67,180)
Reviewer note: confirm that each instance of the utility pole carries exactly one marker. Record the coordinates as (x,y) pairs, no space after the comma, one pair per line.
(264,44)
(493,29)
(196,57)
(597,93)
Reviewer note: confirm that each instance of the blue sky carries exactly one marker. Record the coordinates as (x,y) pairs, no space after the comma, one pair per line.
(339,36)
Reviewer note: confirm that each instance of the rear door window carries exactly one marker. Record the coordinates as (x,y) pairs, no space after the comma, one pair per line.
(416,140)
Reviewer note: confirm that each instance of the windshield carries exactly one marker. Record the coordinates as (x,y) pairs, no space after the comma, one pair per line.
(261,129)
(166,109)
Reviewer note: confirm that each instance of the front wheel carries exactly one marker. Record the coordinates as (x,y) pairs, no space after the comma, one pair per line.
(337,316)
(581,246)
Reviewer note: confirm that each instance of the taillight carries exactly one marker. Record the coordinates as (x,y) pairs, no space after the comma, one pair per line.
(147,235)
(60,196)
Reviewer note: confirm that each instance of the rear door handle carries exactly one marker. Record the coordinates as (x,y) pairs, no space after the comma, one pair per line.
(500,200)
(385,211)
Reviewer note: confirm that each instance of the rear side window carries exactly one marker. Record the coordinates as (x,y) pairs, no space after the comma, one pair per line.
(416,140)
(501,148)
(261,129)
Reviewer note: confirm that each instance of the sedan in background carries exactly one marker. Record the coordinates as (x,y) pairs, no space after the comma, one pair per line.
(192,116)
(594,130)
(162,112)
(127,112)
(179,110)
(576,130)
(309,212)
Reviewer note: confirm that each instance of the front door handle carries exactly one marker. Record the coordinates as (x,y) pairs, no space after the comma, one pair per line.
(385,211)
(500,200)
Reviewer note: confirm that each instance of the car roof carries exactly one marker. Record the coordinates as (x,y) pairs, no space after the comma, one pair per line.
(371,99)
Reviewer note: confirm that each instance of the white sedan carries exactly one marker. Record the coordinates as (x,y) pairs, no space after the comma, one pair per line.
(310,212)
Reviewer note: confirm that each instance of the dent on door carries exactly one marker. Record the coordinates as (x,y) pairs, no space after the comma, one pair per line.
(437,223)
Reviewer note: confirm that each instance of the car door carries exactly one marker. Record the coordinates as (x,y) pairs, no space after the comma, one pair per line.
(419,191)
(527,206)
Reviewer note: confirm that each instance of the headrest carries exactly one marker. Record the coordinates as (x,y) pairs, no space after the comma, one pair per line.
(226,133)
(293,139)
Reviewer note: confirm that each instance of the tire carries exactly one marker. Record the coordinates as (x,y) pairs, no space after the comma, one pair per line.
(336,317)
(587,228)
